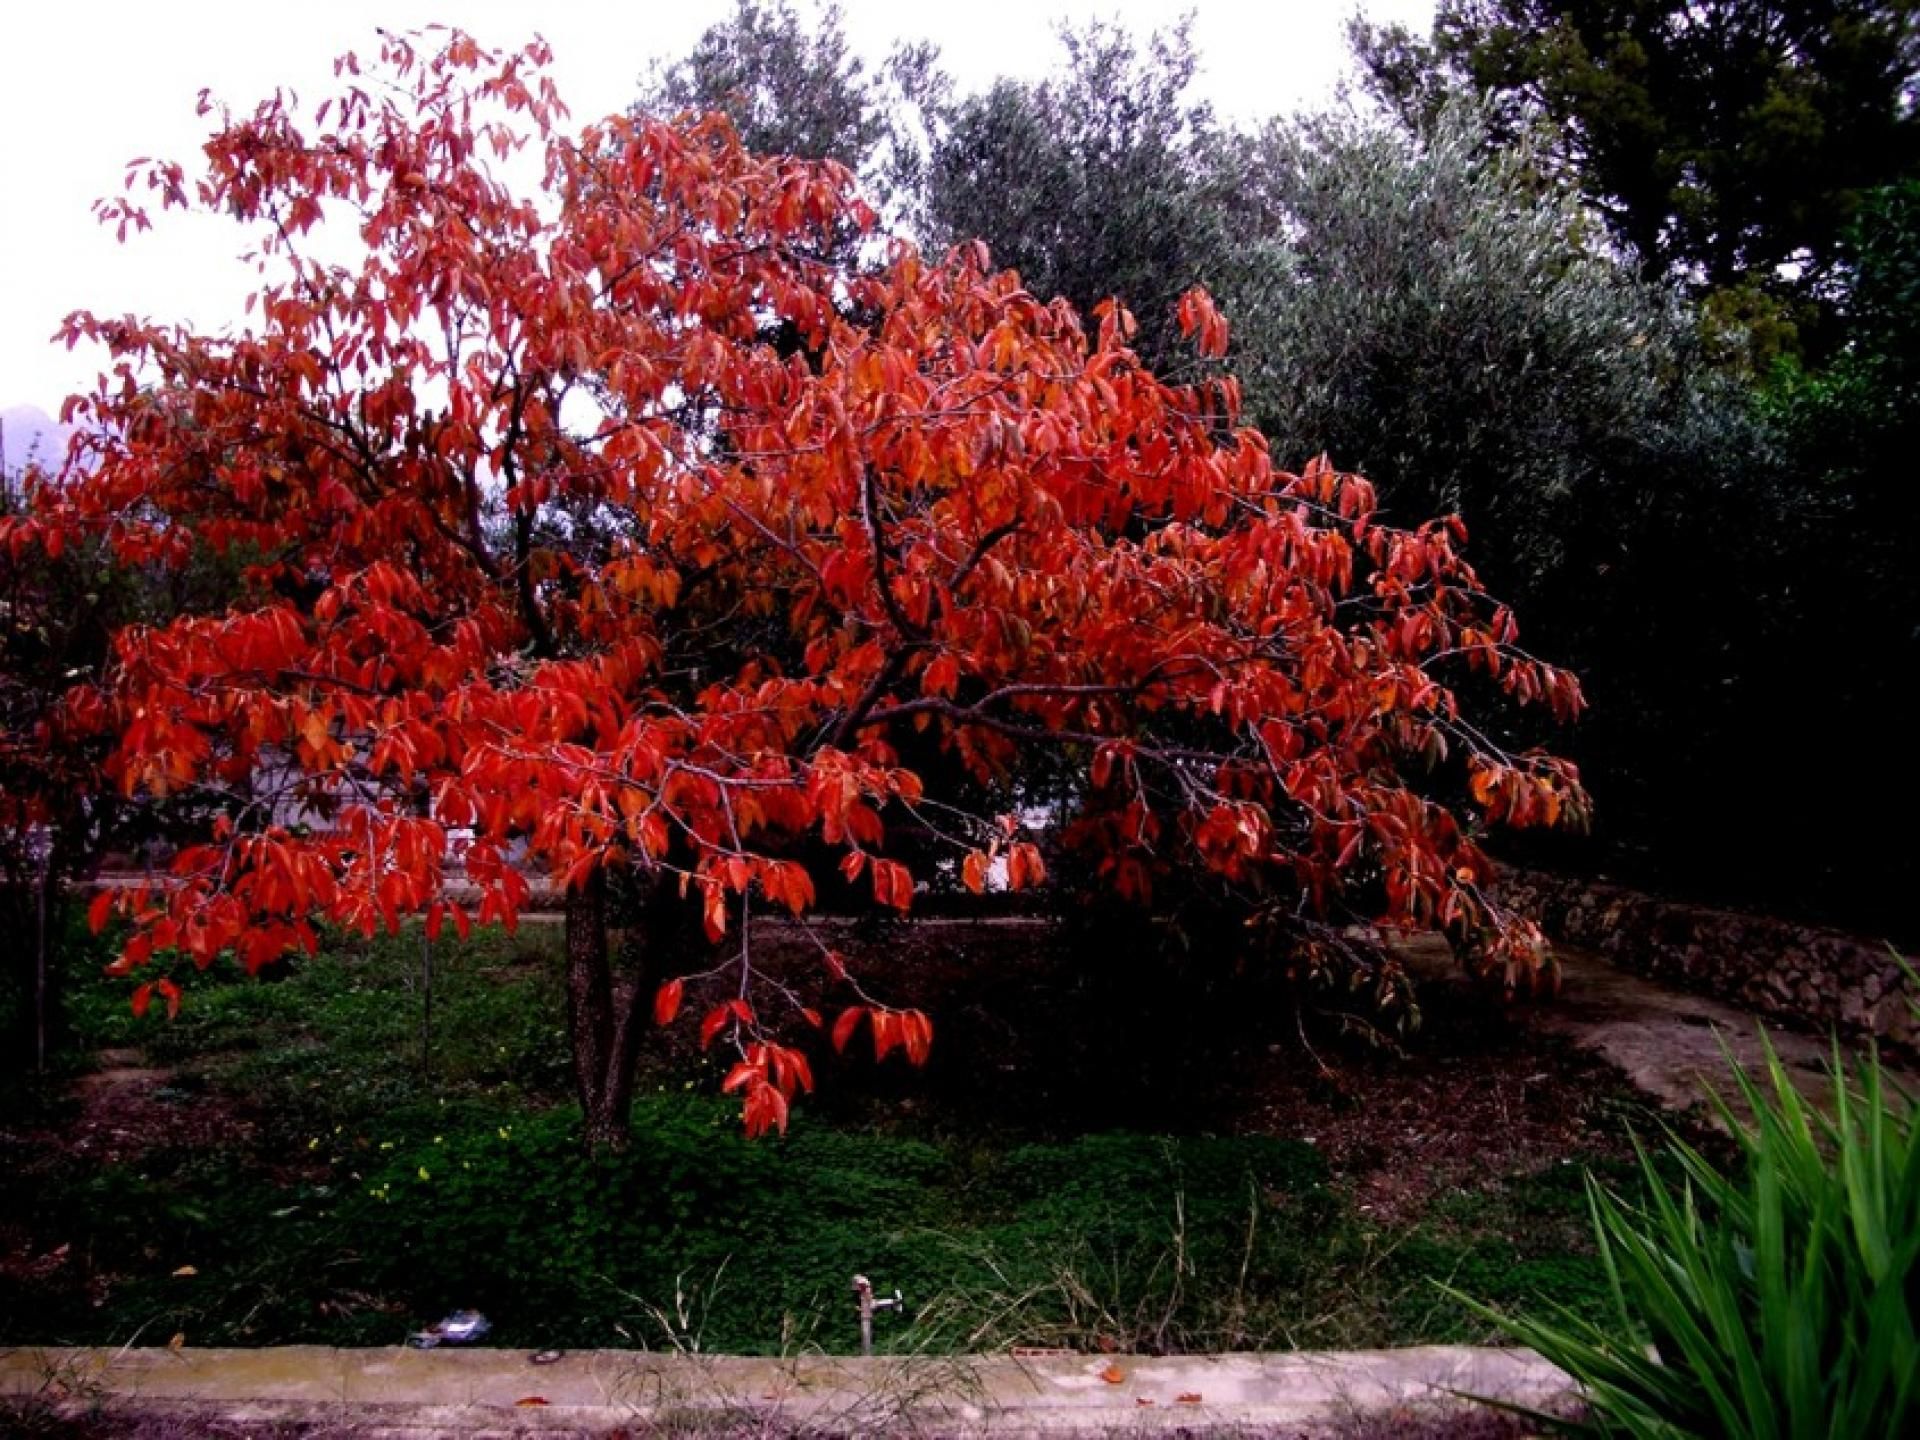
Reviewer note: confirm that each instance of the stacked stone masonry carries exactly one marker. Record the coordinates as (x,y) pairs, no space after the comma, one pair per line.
(1823,980)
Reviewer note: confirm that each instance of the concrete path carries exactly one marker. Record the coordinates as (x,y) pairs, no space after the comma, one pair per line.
(487,1392)
(1668,1042)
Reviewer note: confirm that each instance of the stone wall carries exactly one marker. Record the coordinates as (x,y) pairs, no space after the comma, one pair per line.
(1813,978)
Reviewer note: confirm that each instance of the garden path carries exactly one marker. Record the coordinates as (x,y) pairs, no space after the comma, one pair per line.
(1671,1043)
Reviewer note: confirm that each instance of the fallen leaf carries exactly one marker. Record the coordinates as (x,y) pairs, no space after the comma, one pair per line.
(1143,1400)
(1192,1397)
(185,1270)
(178,1342)
(1107,1344)
(1113,1374)
(533,1400)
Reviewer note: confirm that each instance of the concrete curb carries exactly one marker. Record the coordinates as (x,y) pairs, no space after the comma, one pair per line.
(399,1392)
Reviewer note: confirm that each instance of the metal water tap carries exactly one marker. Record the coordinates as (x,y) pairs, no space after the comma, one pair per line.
(863,1297)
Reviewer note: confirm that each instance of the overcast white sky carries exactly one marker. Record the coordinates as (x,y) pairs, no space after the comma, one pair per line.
(86,85)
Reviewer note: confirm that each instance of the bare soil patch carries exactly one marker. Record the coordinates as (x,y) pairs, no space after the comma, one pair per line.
(127,1107)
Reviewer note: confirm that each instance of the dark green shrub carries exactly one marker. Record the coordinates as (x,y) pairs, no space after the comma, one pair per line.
(1781,1302)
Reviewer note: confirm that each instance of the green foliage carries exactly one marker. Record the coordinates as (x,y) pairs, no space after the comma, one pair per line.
(282,1161)
(266,1257)
(695,1236)
(387,1025)
(1833,593)
(790,88)
(1782,1300)
(1882,253)
(692,1237)
(1521,1244)
(1721,141)
(785,76)
(1439,315)
(1105,179)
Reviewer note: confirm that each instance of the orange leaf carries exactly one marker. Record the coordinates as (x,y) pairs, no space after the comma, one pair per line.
(666,1001)
(766,1109)
(1024,867)
(916,1034)
(973,870)
(886,1033)
(844,1027)
(1113,1375)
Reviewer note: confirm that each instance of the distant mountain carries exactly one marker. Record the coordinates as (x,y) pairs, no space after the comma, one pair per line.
(29,433)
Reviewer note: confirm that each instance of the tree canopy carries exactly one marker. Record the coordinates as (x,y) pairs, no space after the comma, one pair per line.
(1108,178)
(557,563)
(1727,142)
(791,84)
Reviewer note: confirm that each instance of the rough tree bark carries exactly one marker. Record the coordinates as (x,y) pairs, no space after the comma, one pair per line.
(612,971)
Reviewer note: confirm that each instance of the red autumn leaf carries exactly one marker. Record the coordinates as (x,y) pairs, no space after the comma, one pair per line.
(886,1032)
(1024,867)
(791,1072)
(715,913)
(844,1027)
(99,910)
(666,1001)
(973,871)
(916,1035)
(765,1109)
(142,997)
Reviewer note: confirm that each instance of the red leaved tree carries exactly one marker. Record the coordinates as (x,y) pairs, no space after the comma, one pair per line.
(633,530)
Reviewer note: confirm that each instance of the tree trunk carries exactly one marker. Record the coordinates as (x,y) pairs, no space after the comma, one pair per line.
(626,931)
(601,1018)
(43,901)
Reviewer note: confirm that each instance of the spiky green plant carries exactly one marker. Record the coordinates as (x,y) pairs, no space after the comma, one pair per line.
(1779,1301)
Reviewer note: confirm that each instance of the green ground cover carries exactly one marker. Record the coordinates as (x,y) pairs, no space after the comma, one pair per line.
(322,1160)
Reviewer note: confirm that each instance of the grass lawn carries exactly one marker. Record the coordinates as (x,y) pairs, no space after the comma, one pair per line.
(313,1156)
